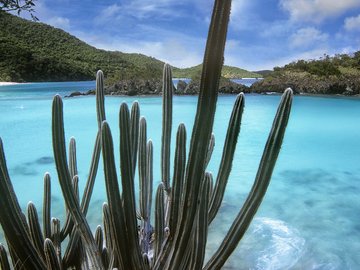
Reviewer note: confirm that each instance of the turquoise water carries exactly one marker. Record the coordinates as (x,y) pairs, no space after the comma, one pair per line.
(309,218)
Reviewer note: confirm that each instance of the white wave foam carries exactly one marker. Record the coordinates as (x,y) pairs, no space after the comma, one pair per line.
(279,246)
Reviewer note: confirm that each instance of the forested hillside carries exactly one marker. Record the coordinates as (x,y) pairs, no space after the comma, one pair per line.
(33,51)
(227,72)
(339,74)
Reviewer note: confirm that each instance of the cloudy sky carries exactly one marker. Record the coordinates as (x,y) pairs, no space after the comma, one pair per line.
(262,33)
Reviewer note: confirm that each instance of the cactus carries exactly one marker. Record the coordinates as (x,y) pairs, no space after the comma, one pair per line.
(186,202)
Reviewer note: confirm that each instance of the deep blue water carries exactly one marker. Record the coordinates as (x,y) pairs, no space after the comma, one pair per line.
(309,218)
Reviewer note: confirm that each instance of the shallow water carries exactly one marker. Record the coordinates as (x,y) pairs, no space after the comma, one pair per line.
(309,218)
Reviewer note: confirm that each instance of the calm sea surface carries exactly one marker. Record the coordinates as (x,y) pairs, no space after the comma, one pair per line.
(310,217)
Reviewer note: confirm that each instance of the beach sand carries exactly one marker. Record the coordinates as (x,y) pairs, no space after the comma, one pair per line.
(7,83)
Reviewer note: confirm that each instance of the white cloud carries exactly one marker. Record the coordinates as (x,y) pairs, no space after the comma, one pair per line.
(174,48)
(352,23)
(237,7)
(107,14)
(59,22)
(148,8)
(240,15)
(317,10)
(308,36)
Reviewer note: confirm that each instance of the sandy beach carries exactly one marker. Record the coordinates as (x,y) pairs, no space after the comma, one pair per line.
(7,83)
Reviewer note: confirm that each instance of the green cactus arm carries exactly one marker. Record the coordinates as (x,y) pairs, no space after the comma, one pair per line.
(85,201)
(116,211)
(159,220)
(65,183)
(210,149)
(142,166)
(201,227)
(14,223)
(149,176)
(134,132)
(202,129)
(72,158)
(4,261)
(55,237)
(145,185)
(52,261)
(178,179)
(227,156)
(99,238)
(71,248)
(109,239)
(128,189)
(262,179)
(47,206)
(69,224)
(167,90)
(100,99)
(105,257)
(146,229)
(35,230)
(100,109)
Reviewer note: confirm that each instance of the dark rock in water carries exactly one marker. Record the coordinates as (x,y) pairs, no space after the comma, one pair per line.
(75,94)
(192,88)
(90,92)
(180,87)
(226,87)
(135,88)
(45,160)
(24,170)
(230,87)
(141,87)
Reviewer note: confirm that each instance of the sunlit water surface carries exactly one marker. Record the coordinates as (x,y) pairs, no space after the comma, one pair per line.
(309,218)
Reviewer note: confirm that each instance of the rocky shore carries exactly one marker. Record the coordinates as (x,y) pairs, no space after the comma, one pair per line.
(300,82)
(305,83)
(154,87)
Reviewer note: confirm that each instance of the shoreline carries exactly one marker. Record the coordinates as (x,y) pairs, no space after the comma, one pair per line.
(8,83)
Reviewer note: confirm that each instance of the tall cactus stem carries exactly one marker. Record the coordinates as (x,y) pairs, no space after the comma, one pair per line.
(47,206)
(227,156)
(4,261)
(258,190)
(35,230)
(166,126)
(213,60)
(128,189)
(65,183)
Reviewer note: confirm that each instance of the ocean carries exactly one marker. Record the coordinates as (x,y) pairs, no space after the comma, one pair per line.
(309,218)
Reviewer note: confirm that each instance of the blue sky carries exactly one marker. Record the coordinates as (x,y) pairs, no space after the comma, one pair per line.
(262,33)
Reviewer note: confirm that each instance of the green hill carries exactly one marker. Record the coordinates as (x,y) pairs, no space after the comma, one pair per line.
(227,72)
(339,74)
(33,51)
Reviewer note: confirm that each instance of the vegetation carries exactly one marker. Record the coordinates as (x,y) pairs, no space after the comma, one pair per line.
(339,74)
(33,51)
(227,72)
(18,6)
(184,207)
(340,64)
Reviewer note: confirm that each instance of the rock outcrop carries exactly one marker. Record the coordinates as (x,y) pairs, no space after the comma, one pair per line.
(154,87)
(305,83)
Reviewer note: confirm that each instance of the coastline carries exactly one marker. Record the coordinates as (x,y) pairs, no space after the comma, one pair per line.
(7,83)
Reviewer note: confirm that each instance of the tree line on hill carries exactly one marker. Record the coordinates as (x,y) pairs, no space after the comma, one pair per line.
(33,51)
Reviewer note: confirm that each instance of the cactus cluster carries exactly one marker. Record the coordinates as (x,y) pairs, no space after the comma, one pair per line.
(186,201)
